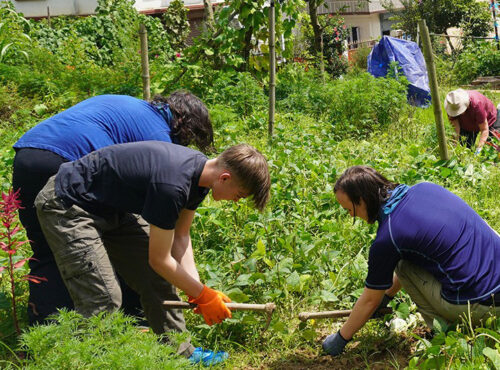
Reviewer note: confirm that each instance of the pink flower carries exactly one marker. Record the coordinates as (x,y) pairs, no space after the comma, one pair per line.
(344,26)
(335,29)
(177,55)
(337,39)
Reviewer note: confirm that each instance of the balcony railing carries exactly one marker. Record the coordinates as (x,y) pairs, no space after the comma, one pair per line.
(354,6)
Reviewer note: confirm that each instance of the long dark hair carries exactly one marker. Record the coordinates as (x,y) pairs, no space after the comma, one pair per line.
(191,121)
(363,182)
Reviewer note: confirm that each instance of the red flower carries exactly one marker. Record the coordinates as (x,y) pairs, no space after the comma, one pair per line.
(177,55)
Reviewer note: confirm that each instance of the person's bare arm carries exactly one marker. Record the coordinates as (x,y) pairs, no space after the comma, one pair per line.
(162,261)
(361,312)
(395,288)
(456,126)
(484,131)
(182,249)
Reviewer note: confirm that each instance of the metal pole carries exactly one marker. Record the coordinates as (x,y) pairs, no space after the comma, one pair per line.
(48,17)
(146,93)
(272,71)
(436,103)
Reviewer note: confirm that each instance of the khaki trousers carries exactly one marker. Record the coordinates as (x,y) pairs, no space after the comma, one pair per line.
(425,291)
(88,248)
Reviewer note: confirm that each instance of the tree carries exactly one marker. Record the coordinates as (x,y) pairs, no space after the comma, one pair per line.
(441,15)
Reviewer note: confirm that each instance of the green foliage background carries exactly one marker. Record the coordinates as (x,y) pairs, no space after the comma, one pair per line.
(303,252)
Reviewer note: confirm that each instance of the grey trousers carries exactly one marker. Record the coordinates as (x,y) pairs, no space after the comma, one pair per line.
(87,248)
(425,291)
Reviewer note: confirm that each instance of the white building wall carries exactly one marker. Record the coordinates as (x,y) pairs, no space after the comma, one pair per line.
(38,8)
(369,25)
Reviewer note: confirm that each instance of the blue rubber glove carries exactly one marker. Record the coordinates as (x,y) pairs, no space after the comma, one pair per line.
(334,344)
(207,357)
(478,151)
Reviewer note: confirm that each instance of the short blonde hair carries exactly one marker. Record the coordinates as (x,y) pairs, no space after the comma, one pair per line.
(251,171)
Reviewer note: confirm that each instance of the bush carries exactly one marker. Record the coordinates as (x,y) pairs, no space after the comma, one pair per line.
(480,59)
(106,341)
(360,58)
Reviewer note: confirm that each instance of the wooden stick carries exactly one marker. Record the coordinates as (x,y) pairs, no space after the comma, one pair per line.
(268,308)
(232,306)
(304,316)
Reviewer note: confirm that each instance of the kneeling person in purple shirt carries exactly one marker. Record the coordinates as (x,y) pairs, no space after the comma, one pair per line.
(429,242)
(130,207)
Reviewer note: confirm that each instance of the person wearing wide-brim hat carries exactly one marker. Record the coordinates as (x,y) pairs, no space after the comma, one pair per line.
(470,113)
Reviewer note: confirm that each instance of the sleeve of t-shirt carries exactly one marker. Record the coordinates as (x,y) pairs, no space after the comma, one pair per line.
(194,203)
(163,205)
(480,113)
(382,261)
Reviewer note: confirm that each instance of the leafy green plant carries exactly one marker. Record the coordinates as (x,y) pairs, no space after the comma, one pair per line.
(15,42)
(479,59)
(176,24)
(105,341)
(10,244)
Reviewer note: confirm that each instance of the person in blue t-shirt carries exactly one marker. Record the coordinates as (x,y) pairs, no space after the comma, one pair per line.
(92,124)
(429,242)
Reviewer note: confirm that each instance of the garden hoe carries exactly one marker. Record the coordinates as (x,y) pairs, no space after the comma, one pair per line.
(268,308)
(304,316)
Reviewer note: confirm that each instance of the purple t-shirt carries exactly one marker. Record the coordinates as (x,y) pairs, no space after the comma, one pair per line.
(436,230)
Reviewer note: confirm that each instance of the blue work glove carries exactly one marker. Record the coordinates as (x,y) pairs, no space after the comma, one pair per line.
(334,344)
(478,151)
(383,304)
(207,357)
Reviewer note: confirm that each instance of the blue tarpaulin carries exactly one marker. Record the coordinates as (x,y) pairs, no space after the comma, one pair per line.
(412,64)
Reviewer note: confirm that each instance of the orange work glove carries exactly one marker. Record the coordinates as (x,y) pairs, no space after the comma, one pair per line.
(211,305)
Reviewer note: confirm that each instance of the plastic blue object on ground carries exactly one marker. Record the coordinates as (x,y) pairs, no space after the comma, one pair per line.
(207,357)
(412,64)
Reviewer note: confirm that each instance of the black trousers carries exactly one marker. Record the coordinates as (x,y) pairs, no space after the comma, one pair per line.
(32,169)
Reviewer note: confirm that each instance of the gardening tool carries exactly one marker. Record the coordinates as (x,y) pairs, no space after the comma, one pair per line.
(304,316)
(268,308)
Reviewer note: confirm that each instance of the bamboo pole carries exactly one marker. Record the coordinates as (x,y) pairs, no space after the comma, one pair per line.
(272,70)
(146,92)
(436,103)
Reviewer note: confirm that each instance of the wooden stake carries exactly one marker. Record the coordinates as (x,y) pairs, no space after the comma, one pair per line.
(143,33)
(304,316)
(272,71)
(436,102)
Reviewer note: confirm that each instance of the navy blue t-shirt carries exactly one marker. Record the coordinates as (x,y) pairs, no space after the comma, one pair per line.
(95,123)
(151,178)
(436,230)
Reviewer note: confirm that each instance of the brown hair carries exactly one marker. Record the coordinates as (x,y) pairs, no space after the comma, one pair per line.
(251,170)
(191,121)
(363,182)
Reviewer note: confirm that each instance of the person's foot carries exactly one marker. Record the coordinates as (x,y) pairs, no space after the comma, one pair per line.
(208,357)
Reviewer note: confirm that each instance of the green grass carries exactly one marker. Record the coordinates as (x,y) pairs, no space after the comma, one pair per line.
(303,252)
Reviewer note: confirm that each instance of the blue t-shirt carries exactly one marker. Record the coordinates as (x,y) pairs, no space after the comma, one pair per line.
(436,230)
(95,123)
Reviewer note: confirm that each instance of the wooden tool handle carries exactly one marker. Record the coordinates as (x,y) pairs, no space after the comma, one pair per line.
(268,307)
(304,316)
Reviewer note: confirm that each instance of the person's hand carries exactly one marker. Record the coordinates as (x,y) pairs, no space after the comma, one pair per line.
(210,304)
(383,304)
(334,344)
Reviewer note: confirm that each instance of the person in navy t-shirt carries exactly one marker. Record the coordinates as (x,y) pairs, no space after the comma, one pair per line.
(92,124)
(429,242)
